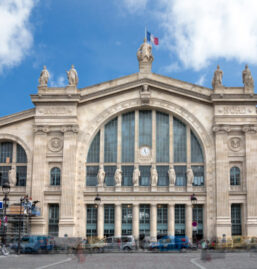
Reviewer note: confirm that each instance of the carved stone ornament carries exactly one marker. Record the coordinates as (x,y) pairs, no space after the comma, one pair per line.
(235,143)
(55,144)
(44,76)
(247,79)
(144,53)
(217,78)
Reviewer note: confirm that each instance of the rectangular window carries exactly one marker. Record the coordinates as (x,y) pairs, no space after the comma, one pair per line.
(108,220)
(127,219)
(128,137)
(21,155)
(92,172)
(144,220)
(181,179)
(162,137)
(145,128)
(91,220)
(145,175)
(163,177)
(180,220)
(236,219)
(198,175)
(6,149)
(162,219)
(53,220)
(198,217)
(127,175)
(4,174)
(179,141)
(93,153)
(109,175)
(110,141)
(21,175)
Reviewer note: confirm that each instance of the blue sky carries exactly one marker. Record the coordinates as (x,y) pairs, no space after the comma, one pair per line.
(101,39)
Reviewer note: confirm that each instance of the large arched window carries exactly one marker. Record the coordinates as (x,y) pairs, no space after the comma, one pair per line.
(13,156)
(234,176)
(144,138)
(55,175)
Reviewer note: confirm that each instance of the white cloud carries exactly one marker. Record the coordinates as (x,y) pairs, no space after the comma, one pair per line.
(135,5)
(59,82)
(173,67)
(15,32)
(201,80)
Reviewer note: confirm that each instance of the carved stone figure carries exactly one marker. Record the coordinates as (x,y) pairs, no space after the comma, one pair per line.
(144,53)
(136,175)
(217,78)
(12,177)
(101,176)
(247,78)
(154,176)
(44,76)
(190,176)
(118,177)
(72,76)
(172,176)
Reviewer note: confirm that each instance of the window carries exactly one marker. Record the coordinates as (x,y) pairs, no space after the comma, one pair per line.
(108,220)
(198,217)
(127,219)
(162,219)
(55,176)
(234,176)
(21,175)
(145,175)
(4,174)
(144,220)
(198,175)
(6,152)
(91,220)
(127,175)
(162,137)
(196,150)
(92,172)
(236,219)
(53,220)
(180,227)
(110,141)
(145,128)
(163,177)
(128,137)
(181,179)
(93,153)
(179,141)
(109,175)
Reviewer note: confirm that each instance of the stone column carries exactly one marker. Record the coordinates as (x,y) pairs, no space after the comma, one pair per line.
(100,221)
(117,220)
(136,221)
(223,219)
(171,219)
(189,221)
(68,184)
(39,177)
(153,222)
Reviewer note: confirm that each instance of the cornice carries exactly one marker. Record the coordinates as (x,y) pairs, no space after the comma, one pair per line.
(226,128)
(45,129)
(20,116)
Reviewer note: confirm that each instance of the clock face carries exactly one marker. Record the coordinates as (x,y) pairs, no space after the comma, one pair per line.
(145,151)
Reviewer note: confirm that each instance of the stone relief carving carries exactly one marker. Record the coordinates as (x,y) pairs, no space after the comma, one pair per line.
(101,176)
(136,175)
(154,176)
(233,110)
(172,176)
(55,144)
(190,176)
(57,110)
(247,79)
(44,76)
(235,143)
(145,94)
(217,78)
(118,176)
(72,76)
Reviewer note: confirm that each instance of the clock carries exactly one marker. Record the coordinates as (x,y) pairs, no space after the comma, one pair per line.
(145,151)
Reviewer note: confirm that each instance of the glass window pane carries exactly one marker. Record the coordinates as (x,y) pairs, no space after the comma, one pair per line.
(145,175)
(109,175)
(53,220)
(163,177)
(21,175)
(198,175)
(126,219)
(180,220)
(91,220)
(128,137)
(55,176)
(196,150)
(234,176)
(181,179)
(4,174)
(198,217)
(94,150)
(127,175)
(110,141)
(236,219)
(162,219)
(109,216)
(162,137)
(144,220)
(6,150)
(179,141)
(145,128)
(92,172)
(21,155)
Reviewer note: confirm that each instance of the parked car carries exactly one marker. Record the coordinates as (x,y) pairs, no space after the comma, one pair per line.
(126,243)
(97,246)
(168,242)
(35,244)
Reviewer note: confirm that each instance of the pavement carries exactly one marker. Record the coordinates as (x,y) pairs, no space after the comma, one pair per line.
(239,260)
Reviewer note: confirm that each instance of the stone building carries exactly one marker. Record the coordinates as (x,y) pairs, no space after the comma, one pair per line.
(143,143)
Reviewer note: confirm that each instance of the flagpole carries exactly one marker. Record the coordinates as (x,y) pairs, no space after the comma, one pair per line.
(145,32)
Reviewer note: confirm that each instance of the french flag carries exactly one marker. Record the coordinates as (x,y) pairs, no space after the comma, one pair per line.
(152,38)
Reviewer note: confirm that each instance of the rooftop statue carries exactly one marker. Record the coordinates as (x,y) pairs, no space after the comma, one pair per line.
(247,77)
(217,78)
(44,76)
(72,76)
(144,53)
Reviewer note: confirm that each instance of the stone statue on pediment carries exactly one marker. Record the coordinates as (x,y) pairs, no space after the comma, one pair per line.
(101,176)
(247,79)
(172,176)
(154,176)
(136,175)
(190,176)
(118,177)
(72,76)
(217,78)
(144,53)
(44,76)
(12,177)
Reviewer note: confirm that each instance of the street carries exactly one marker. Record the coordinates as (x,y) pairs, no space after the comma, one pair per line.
(170,260)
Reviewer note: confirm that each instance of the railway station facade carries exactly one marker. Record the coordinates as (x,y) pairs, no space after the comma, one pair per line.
(144,145)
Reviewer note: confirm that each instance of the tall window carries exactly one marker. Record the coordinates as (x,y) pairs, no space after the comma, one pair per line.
(94,150)
(128,137)
(145,128)
(145,175)
(53,220)
(21,175)
(196,150)
(92,172)
(179,141)
(181,179)
(198,217)
(110,141)
(163,177)
(91,220)
(234,176)
(144,220)
(55,175)
(162,137)
(109,175)
(162,219)
(126,219)
(236,219)
(108,220)
(180,226)
(127,175)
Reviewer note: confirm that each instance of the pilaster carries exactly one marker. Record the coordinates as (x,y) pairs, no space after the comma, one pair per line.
(117,220)
(189,221)
(171,220)
(153,222)
(100,221)
(136,221)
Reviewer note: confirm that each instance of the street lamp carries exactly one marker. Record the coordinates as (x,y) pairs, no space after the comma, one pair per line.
(194,224)
(6,190)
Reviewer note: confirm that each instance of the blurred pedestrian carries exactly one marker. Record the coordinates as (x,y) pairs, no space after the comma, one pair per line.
(80,254)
